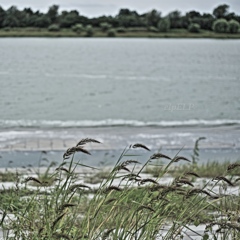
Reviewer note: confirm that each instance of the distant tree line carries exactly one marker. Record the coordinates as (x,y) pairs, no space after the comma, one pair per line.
(220,20)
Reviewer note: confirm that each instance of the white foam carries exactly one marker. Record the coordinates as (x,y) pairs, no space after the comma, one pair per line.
(113,122)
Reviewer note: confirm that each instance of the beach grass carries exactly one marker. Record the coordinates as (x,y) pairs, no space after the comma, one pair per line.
(125,204)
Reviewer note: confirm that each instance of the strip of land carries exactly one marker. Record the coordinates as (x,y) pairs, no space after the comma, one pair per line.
(129,33)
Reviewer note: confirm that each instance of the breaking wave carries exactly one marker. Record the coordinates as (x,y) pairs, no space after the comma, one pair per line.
(113,123)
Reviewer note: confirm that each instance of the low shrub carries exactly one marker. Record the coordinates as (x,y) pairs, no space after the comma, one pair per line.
(111,33)
(220,26)
(194,28)
(153,29)
(121,30)
(78,28)
(164,25)
(89,31)
(234,26)
(105,26)
(54,28)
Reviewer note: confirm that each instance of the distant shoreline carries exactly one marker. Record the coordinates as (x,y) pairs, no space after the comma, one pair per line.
(22,32)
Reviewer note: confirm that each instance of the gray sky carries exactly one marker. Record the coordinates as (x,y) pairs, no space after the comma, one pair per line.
(111,7)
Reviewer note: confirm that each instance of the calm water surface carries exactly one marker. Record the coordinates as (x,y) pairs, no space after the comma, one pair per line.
(56,88)
(127,79)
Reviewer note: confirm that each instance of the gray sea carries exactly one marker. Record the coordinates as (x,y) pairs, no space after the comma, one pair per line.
(164,93)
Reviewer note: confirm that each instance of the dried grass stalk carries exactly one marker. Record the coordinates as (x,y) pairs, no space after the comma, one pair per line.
(32,179)
(145,207)
(66,205)
(60,236)
(159,155)
(121,167)
(74,186)
(233,166)
(130,162)
(72,150)
(183,181)
(111,200)
(219,178)
(87,140)
(139,145)
(178,158)
(148,180)
(192,173)
(196,191)
(57,220)
(62,169)
(132,176)
(113,188)
(107,233)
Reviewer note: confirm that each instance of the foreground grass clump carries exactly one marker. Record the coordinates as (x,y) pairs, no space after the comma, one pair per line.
(127,204)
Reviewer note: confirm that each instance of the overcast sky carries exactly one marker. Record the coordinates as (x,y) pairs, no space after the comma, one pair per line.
(111,7)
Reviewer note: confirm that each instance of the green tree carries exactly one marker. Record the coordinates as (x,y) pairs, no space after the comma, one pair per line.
(10,21)
(175,19)
(2,16)
(221,11)
(193,14)
(12,17)
(89,31)
(191,17)
(53,13)
(153,18)
(194,28)
(206,21)
(42,21)
(164,25)
(234,26)
(127,18)
(111,33)
(68,19)
(27,19)
(231,16)
(105,26)
(220,26)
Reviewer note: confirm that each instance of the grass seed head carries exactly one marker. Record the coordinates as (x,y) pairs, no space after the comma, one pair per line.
(192,173)
(219,178)
(114,188)
(139,145)
(75,186)
(33,179)
(179,158)
(87,140)
(57,220)
(148,180)
(145,207)
(233,166)
(159,155)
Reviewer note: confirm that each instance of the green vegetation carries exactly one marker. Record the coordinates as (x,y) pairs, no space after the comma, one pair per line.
(89,31)
(78,28)
(220,26)
(164,25)
(105,26)
(53,28)
(120,32)
(125,205)
(194,28)
(127,23)
(234,26)
(111,33)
